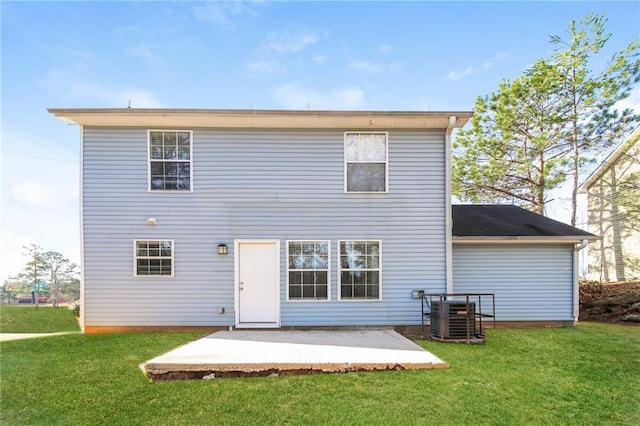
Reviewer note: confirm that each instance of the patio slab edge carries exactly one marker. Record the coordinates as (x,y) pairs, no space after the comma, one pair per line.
(158,372)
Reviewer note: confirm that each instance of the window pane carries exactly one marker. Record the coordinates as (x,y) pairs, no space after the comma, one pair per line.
(320,262)
(295,278)
(170,184)
(294,261)
(170,146)
(165,266)
(142,248)
(346,291)
(321,292)
(308,292)
(184,144)
(322,278)
(156,145)
(322,249)
(295,292)
(142,267)
(308,277)
(373,292)
(184,175)
(154,266)
(366,147)
(366,177)
(359,291)
(295,248)
(166,250)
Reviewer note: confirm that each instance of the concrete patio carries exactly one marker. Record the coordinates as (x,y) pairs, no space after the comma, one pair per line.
(268,352)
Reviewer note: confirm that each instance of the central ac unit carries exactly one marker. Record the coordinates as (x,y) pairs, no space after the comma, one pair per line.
(453,319)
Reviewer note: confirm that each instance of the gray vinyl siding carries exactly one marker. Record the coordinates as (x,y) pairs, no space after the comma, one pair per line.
(256,184)
(530,282)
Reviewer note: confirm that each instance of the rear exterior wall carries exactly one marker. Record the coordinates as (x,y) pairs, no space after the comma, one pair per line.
(530,282)
(256,184)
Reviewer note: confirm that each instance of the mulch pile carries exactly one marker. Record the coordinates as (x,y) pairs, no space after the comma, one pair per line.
(618,302)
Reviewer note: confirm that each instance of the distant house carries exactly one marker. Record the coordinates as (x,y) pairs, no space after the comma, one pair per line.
(613,192)
(243,218)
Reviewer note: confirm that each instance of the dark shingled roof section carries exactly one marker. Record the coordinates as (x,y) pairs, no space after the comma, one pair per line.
(508,221)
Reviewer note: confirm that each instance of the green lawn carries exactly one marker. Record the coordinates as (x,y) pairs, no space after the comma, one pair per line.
(43,319)
(583,375)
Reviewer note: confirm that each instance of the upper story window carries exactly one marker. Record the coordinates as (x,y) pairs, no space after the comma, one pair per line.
(170,160)
(365,157)
(153,258)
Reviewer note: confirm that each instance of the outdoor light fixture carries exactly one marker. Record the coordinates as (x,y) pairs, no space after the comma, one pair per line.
(222,249)
(152,221)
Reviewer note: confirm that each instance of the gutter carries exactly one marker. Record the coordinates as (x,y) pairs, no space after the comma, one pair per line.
(525,239)
(448,209)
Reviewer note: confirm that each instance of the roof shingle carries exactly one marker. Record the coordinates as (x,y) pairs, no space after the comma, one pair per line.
(508,221)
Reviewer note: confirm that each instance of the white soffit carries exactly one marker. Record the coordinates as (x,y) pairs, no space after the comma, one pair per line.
(194,118)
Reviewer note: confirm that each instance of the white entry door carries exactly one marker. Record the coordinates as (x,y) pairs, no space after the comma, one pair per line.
(258,283)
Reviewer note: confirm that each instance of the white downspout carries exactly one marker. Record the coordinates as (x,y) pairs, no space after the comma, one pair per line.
(447,204)
(82,318)
(576,279)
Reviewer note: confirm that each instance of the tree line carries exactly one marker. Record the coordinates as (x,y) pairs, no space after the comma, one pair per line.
(46,274)
(544,128)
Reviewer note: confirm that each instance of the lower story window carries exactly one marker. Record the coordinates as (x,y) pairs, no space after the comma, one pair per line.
(359,270)
(308,270)
(153,258)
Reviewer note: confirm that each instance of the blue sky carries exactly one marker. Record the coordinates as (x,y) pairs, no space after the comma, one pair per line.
(262,55)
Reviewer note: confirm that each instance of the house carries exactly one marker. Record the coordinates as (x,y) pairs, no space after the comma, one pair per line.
(244,218)
(613,200)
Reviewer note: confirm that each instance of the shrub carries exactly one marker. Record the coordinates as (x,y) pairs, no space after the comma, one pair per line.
(75,308)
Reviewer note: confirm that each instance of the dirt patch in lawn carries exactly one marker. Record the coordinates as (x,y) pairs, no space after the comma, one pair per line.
(618,302)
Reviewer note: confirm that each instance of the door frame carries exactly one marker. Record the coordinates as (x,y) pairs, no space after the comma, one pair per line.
(236,282)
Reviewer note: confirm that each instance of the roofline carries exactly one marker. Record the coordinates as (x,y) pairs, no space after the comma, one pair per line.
(568,239)
(240,118)
(610,160)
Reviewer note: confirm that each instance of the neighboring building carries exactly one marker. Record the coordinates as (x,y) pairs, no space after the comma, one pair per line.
(243,218)
(613,192)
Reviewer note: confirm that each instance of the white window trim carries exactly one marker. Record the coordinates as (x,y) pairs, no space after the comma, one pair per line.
(379,269)
(135,258)
(172,191)
(328,299)
(386,161)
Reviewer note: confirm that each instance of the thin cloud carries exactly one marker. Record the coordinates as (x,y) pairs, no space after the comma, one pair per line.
(71,85)
(35,194)
(291,96)
(473,69)
(320,59)
(224,14)
(385,49)
(373,67)
(287,41)
(270,57)
(364,66)
(264,66)
(142,50)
